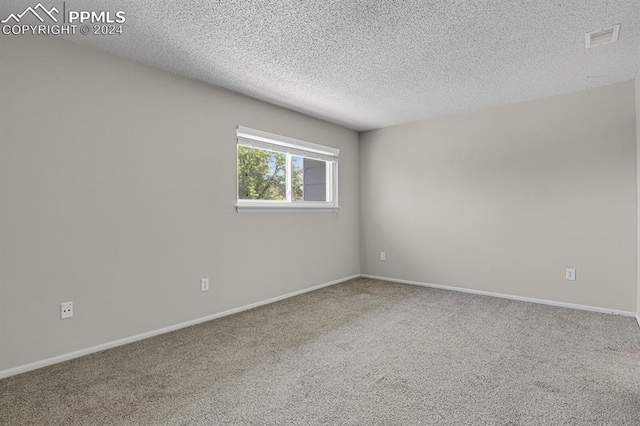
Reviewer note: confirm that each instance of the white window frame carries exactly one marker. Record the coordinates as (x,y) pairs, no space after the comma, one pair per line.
(291,147)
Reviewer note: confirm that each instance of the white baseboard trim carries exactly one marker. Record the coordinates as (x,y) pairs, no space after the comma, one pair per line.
(509,296)
(638,319)
(142,336)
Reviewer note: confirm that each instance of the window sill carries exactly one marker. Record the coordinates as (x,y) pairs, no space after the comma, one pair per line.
(283,208)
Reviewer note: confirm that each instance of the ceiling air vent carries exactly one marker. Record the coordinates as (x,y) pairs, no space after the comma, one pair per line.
(603,36)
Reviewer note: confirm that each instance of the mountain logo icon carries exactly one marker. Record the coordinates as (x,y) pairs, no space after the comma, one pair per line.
(34,11)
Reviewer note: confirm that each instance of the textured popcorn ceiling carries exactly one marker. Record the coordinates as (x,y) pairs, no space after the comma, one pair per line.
(371,64)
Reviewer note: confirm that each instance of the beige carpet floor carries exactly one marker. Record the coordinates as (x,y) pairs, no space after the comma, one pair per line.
(359,353)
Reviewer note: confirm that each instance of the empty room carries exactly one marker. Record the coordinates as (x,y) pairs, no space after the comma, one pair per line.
(319,212)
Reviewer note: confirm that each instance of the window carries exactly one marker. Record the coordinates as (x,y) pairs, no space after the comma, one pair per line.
(277,173)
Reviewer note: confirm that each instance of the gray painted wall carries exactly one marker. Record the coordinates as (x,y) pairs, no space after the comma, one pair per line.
(118,185)
(505,199)
(638,183)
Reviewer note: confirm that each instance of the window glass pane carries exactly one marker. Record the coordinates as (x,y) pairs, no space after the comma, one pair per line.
(261,174)
(297,178)
(308,179)
(315,180)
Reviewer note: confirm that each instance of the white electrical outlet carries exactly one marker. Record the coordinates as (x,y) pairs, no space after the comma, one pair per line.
(383,255)
(66,310)
(571,274)
(204,284)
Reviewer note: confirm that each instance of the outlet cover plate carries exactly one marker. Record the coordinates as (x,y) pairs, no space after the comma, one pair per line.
(204,284)
(66,310)
(571,274)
